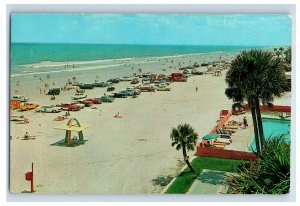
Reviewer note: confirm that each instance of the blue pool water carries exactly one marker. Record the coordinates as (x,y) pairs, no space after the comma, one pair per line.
(274,127)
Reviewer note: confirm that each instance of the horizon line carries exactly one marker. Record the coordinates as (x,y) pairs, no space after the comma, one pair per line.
(92,43)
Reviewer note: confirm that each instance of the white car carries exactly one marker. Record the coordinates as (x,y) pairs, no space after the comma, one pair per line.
(163,88)
(19,97)
(79,96)
(48,109)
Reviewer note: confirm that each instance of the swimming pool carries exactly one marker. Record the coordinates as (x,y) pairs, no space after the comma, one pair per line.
(274,127)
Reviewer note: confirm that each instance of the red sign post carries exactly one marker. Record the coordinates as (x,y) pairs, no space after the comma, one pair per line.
(29,177)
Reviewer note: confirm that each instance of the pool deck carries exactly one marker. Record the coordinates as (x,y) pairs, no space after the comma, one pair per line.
(243,136)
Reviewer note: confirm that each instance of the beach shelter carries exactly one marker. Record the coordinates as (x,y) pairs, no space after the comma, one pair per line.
(75,126)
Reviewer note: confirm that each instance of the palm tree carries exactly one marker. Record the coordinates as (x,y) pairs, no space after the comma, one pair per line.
(255,76)
(278,53)
(184,136)
(281,51)
(288,55)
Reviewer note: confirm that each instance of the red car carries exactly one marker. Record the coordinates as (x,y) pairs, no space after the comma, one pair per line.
(94,100)
(177,77)
(69,107)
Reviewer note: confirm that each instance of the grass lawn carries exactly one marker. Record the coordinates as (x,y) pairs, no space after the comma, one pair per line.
(184,181)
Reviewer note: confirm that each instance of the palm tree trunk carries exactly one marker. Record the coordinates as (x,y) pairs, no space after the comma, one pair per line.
(254,118)
(259,123)
(186,159)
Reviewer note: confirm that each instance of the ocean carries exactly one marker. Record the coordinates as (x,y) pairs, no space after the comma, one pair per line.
(40,59)
(30,53)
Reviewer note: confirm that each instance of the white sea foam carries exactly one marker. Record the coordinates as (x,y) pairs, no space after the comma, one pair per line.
(47,64)
(65,70)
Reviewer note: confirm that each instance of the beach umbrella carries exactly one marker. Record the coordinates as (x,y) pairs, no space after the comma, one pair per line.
(211,136)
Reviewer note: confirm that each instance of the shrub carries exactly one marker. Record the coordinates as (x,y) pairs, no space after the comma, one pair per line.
(269,173)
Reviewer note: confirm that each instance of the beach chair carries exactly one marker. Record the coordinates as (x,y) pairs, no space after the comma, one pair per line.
(219,146)
(223,132)
(284,115)
(231,127)
(223,140)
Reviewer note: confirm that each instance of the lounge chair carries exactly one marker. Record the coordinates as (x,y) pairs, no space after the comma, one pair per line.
(223,132)
(219,146)
(231,127)
(222,140)
(284,115)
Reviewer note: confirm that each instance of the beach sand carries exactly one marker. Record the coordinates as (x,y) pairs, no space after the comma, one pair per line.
(122,155)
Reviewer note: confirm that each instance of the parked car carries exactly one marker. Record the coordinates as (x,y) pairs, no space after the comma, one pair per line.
(120,95)
(195,72)
(177,77)
(127,92)
(114,80)
(134,90)
(48,109)
(186,72)
(78,96)
(28,106)
(126,79)
(94,100)
(110,88)
(20,98)
(161,82)
(163,88)
(54,91)
(107,99)
(77,103)
(147,88)
(85,103)
(86,86)
(102,84)
(135,81)
(81,91)
(69,107)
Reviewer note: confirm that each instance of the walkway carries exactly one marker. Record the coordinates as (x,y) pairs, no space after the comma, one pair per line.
(211,182)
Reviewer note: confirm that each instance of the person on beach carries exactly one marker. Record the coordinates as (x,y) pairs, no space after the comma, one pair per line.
(26,136)
(196,89)
(245,122)
(118,115)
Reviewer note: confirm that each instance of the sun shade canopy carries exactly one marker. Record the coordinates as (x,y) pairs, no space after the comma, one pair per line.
(210,136)
(75,128)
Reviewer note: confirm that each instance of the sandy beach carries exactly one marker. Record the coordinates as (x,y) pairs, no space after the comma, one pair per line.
(122,155)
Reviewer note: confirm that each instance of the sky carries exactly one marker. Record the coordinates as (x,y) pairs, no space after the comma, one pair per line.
(157,29)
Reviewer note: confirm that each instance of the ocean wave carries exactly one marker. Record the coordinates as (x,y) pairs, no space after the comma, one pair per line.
(47,64)
(64,70)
